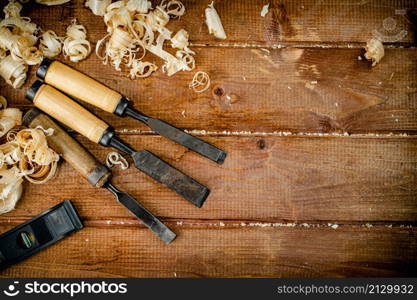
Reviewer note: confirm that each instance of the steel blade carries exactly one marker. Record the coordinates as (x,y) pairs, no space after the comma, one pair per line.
(172,178)
(187,140)
(143,214)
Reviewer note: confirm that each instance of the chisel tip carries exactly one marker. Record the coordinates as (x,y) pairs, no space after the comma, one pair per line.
(168,236)
(221,158)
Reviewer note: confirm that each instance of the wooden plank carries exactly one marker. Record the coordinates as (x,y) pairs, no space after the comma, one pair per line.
(227,252)
(263,178)
(311,21)
(284,89)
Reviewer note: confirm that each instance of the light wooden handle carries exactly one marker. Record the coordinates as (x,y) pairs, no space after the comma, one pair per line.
(69,113)
(82,87)
(70,150)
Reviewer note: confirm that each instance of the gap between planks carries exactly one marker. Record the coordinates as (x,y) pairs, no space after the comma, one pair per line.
(302,45)
(188,223)
(198,132)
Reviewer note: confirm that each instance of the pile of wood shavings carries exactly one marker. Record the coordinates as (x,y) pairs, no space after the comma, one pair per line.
(25,155)
(20,45)
(135,28)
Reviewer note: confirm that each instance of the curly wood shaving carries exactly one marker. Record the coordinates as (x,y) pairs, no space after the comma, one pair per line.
(9,118)
(157,19)
(131,27)
(173,8)
(24,155)
(50,44)
(200,82)
(142,69)
(374,51)
(140,6)
(120,48)
(115,158)
(52,2)
(172,64)
(265,10)
(187,59)
(39,162)
(98,7)
(214,23)
(117,15)
(10,188)
(19,25)
(18,39)
(12,9)
(180,41)
(14,72)
(22,50)
(76,47)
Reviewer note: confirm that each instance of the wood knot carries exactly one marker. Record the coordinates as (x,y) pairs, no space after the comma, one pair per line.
(218,91)
(261,144)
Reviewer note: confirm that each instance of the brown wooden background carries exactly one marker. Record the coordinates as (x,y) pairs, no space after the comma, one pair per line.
(302,156)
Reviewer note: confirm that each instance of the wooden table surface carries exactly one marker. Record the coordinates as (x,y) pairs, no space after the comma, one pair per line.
(321,174)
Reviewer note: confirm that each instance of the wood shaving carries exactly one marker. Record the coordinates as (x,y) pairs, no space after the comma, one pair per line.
(214,23)
(13,72)
(18,43)
(180,41)
(50,44)
(115,158)
(52,2)
(135,28)
(265,10)
(12,9)
(141,69)
(76,47)
(173,8)
(200,82)
(140,6)
(25,155)
(9,117)
(374,51)
(98,7)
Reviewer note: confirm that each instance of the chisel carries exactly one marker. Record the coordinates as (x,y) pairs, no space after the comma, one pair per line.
(90,168)
(84,88)
(76,117)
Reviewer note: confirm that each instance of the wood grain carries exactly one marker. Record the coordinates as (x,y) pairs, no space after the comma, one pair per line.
(80,86)
(310,21)
(295,70)
(253,89)
(69,149)
(263,178)
(227,252)
(285,89)
(69,112)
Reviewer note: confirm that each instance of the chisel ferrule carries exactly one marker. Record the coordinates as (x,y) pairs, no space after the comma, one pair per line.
(121,107)
(109,139)
(33,90)
(43,68)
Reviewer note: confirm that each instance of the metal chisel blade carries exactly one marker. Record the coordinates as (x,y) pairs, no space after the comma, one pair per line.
(166,130)
(172,178)
(143,214)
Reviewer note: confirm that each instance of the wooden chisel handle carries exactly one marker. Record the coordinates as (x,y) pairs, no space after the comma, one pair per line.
(66,111)
(70,150)
(78,85)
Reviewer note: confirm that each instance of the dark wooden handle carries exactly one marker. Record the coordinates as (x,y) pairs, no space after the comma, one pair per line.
(82,87)
(69,112)
(70,149)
